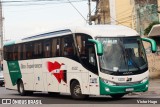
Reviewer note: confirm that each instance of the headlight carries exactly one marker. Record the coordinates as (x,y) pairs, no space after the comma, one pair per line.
(144,80)
(108,82)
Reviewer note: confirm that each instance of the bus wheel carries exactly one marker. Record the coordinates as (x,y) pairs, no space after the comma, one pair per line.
(76,91)
(20,87)
(117,96)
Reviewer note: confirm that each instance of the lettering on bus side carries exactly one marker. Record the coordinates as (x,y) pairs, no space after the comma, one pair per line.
(28,66)
(75,68)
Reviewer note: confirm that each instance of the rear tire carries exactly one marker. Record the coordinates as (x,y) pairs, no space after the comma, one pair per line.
(117,96)
(76,91)
(21,90)
(2,84)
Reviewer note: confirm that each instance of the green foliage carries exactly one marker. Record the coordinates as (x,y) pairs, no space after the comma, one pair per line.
(148,29)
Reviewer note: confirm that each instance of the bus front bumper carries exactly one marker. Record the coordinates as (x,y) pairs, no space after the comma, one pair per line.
(106,89)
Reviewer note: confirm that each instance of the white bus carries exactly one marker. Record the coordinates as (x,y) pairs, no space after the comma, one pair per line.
(81,61)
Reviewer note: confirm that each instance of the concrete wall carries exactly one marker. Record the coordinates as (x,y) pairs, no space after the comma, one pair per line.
(154,63)
(159,8)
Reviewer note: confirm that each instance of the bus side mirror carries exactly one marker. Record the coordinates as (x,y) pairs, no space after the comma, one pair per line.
(152,42)
(99,46)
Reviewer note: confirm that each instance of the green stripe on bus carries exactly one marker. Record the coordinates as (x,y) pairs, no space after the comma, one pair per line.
(106,89)
(9,43)
(14,71)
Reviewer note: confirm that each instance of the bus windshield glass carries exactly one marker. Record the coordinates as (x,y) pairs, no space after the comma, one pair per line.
(123,55)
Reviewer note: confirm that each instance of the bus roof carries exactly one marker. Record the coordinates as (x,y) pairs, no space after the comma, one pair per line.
(93,30)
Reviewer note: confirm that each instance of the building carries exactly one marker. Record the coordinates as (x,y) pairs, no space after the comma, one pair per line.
(1,36)
(136,14)
(102,13)
(159,8)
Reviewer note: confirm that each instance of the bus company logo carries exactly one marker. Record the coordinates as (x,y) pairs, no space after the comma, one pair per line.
(6,101)
(129,79)
(127,73)
(56,69)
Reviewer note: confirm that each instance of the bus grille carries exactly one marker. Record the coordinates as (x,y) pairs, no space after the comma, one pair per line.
(127,83)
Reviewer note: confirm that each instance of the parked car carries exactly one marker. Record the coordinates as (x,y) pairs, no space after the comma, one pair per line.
(1,78)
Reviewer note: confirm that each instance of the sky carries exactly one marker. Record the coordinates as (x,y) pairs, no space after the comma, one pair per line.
(23,19)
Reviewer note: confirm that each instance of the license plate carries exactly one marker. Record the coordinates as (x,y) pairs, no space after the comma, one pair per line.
(129,89)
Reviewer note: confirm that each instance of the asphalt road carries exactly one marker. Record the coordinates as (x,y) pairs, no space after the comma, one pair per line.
(92,100)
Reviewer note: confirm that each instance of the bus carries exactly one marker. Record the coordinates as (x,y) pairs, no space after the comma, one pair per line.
(81,61)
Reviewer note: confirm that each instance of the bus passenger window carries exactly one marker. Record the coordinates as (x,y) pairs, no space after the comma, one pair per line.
(9,52)
(56,47)
(29,51)
(15,52)
(24,51)
(68,47)
(47,49)
(19,52)
(38,50)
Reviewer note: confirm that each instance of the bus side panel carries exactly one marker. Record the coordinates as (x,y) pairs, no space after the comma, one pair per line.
(60,71)
(74,70)
(85,84)
(94,84)
(7,77)
(50,83)
(26,67)
(38,75)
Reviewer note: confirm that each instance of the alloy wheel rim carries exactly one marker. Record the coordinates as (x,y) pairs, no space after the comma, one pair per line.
(77,90)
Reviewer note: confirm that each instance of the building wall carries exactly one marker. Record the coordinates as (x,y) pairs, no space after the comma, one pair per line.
(1,36)
(136,14)
(115,12)
(159,8)
(125,12)
(102,14)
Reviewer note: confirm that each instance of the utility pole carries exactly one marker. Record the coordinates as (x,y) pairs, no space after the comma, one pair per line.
(139,14)
(89,6)
(1,34)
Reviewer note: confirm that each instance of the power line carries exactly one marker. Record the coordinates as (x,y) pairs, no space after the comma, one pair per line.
(19,1)
(38,2)
(77,10)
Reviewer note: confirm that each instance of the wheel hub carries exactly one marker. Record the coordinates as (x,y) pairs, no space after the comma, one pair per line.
(77,90)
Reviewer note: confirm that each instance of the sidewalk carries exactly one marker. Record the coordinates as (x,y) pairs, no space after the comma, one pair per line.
(154,87)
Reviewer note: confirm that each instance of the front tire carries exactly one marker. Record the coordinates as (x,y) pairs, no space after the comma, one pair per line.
(76,92)
(117,96)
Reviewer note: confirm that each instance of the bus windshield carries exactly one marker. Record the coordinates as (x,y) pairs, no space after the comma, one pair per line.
(122,55)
